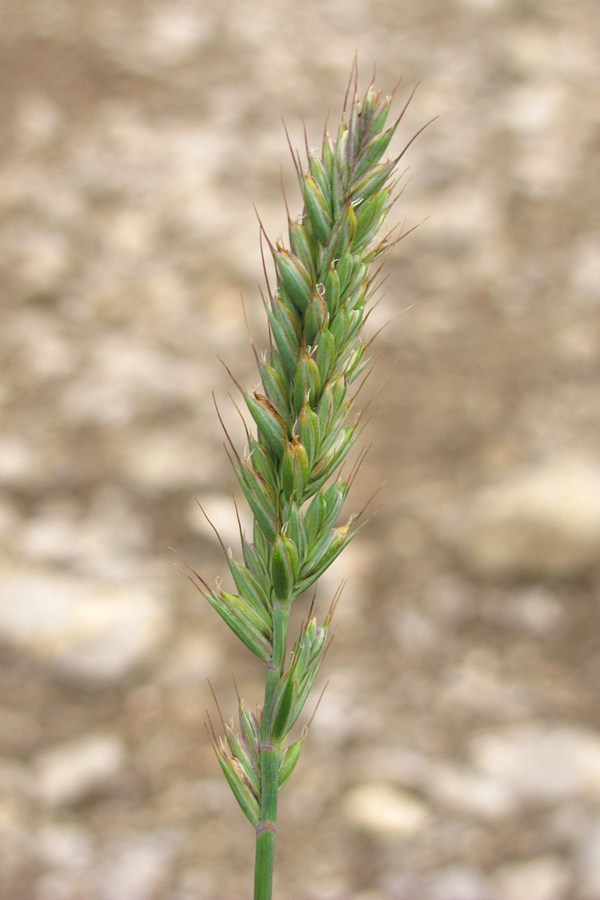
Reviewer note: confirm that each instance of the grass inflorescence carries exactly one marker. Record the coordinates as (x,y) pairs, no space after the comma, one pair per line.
(305,427)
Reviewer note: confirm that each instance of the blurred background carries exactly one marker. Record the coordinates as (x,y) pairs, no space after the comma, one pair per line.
(456,753)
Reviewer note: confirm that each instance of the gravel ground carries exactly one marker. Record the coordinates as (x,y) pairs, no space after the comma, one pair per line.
(456,754)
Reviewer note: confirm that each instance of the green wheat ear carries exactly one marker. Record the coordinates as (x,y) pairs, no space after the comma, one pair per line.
(290,474)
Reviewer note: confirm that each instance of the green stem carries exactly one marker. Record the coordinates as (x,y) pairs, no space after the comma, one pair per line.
(269,762)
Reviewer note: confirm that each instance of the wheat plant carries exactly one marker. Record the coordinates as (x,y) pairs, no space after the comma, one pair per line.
(304,427)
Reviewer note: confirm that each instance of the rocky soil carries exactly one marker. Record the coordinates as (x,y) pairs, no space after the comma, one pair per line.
(456,753)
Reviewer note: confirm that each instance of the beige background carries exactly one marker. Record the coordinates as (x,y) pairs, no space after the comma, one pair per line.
(456,754)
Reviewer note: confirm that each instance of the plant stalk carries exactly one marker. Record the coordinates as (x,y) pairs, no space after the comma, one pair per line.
(269,761)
